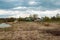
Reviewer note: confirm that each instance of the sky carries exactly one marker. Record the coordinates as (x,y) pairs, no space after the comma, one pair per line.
(24,8)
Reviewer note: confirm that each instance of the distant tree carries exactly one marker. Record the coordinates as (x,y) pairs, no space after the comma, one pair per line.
(45,18)
(10,19)
(58,15)
(28,19)
(35,16)
(56,18)
(20,19)
(1,21)
(53,18)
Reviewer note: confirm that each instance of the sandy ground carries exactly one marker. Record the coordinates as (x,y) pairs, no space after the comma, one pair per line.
(31,31)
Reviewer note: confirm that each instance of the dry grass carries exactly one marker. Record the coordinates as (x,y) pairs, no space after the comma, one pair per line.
(30,31)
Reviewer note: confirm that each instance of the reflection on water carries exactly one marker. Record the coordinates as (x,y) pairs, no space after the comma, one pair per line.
(3,25)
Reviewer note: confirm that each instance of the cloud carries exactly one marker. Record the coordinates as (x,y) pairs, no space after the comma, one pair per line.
(19,7)
(45,4)
(9,0)
(17,14)
(26,7)
(32,3)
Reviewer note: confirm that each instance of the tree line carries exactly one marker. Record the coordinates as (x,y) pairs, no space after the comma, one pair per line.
(32,18)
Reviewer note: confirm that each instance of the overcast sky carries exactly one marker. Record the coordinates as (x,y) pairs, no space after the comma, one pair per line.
(23,8)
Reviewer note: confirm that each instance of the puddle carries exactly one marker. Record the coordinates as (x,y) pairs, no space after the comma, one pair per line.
(4,25)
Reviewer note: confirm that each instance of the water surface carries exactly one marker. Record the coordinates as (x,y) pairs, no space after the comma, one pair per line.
(4,25)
